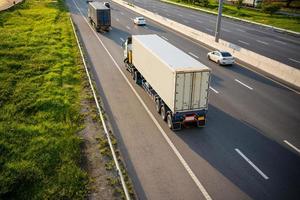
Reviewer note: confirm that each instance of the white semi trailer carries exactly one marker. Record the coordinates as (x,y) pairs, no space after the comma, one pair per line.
(177,82)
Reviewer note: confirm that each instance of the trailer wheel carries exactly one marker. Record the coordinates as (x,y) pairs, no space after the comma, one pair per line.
(136,74)
(163,112)
(157,105)
(169,121)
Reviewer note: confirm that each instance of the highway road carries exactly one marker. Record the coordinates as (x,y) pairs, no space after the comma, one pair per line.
(265,41)
(248,150)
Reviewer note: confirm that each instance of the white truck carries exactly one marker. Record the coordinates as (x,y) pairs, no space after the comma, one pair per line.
(99,16)
(177,83)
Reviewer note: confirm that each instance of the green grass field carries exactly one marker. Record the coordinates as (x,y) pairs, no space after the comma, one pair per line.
(41,84)
(280,21)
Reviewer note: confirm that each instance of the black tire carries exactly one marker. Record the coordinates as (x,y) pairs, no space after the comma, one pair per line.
(218,62)
(169,121)
(163,112)
(157,105)
(136,75)
(133,75)
(208,57)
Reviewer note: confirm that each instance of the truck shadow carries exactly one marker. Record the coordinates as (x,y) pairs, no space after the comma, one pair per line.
(216,81)
(216,144)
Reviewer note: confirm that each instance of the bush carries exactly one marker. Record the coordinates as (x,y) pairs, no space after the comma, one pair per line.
(270,8)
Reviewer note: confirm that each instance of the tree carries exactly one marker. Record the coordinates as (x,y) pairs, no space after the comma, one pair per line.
(239,4)
(288,2)
(270,8)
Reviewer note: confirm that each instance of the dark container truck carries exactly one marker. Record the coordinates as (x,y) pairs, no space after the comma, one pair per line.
(99,16)
(177,83)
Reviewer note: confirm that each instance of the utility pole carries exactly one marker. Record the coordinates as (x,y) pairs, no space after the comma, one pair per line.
(218,26)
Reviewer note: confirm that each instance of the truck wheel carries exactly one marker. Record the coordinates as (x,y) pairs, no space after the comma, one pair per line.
(163,112)
(169,121)
(157,105)
(136,75)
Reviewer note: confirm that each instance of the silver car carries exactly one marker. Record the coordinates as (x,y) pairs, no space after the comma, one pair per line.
(221,57)
(139,21)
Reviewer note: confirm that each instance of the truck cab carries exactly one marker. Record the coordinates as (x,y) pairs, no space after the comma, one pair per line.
(127,48)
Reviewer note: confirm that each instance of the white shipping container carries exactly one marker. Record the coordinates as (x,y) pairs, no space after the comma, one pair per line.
(180,80)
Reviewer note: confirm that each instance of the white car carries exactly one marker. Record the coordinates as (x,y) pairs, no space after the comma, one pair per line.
(221,57)
(139,21)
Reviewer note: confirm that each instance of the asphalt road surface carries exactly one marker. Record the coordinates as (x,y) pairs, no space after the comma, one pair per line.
(248,150)
(282,47)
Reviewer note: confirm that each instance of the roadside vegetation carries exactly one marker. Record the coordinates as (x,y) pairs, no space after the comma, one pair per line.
(51,144)
(266,13)
(41,81)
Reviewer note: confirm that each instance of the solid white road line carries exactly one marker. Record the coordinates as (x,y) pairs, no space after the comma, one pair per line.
(251,163)
(179,156)
(164,38)
(295,148)
(240,82)
(262,42)
(280,42)
(193,55)
(122,39)
(213,89)
(294,60)
(128,27)
(246,43)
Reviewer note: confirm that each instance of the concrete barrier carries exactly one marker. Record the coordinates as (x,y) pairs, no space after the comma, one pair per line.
(275,69)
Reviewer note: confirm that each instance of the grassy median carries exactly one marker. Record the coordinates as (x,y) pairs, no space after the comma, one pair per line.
(281,21)
(41,82)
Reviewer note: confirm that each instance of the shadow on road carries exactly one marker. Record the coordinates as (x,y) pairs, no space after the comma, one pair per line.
(216,144)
